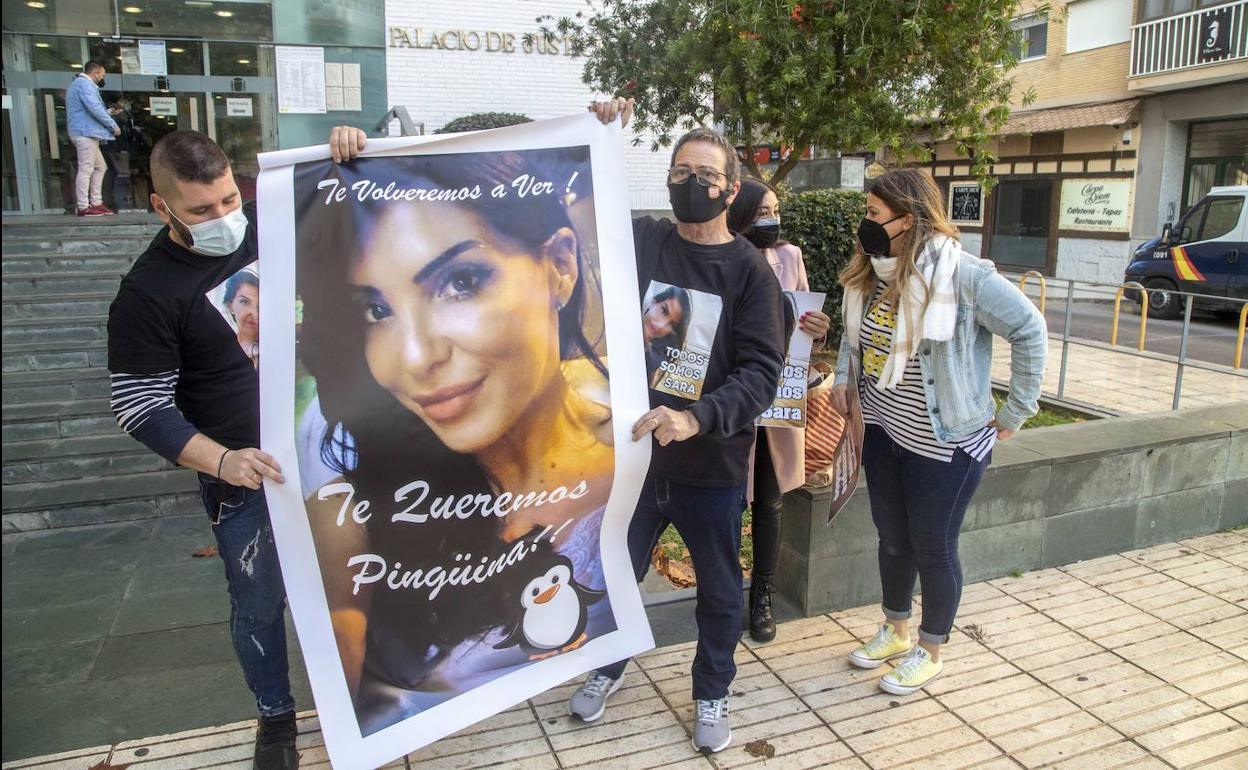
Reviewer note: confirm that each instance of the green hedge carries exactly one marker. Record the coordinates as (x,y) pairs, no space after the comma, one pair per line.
(823,224)
(481,121)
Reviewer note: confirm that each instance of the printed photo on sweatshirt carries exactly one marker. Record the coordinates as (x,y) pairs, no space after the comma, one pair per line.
(678,326)
(237,299)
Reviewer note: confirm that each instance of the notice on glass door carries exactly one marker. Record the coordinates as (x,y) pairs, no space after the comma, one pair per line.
(300,79)
(238,107)
(152,59)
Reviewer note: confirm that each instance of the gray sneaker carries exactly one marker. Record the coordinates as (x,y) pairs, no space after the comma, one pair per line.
(711,733)
(590,699)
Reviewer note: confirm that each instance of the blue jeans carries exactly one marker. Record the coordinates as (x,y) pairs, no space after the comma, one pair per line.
(709,520)
(918,505)
(240,522)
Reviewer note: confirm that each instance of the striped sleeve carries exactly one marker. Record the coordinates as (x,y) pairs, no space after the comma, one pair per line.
(144,407)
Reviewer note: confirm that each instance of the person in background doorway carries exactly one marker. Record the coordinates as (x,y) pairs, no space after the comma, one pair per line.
(89,124)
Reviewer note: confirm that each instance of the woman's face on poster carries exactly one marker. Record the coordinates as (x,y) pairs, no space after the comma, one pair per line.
(245,307)
(461,323)
(660,318)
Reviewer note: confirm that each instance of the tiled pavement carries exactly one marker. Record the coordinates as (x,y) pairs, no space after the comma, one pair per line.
(1128,384)
(1135,660)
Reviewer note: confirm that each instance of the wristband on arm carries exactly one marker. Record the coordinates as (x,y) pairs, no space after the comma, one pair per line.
(221,463)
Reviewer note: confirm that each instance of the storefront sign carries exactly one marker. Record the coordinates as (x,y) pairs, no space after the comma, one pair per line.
(1095,204)
(966,203)
(432,584)
(300,79)
(152,60)
(1215,35)
(166,106)
(238,107)
(489,41)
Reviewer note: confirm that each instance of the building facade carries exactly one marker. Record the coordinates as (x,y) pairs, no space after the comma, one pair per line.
(253,75)
(259,75)
(448,59)
(1140,106)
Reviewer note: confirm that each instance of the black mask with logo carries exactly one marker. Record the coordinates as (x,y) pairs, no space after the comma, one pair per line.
(874,239)
(693,204)
(764,233)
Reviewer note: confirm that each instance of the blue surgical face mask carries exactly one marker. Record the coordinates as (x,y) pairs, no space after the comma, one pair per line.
(216,237)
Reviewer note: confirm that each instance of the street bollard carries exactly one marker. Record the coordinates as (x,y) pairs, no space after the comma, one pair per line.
(1239,338)
(1113,334)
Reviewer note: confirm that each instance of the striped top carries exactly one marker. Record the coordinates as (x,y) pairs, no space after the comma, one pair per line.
(902,411)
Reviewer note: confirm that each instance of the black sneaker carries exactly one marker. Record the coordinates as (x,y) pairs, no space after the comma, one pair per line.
(762,624)
(275,743)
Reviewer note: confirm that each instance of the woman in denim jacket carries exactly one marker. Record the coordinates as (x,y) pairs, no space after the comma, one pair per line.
(920,315)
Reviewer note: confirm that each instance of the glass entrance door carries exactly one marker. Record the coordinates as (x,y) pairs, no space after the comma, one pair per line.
(234,103)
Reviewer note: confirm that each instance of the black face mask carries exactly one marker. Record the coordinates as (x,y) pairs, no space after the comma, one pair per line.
(874,239)
(101,83)
(764,233)
(692,203)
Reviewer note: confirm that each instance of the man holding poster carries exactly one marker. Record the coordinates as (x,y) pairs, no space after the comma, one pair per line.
(710,383)
(181,349)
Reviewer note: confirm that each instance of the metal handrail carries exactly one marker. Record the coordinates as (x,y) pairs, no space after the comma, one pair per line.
(1022,285)
(1113,334)
(406,126)
(1181,361)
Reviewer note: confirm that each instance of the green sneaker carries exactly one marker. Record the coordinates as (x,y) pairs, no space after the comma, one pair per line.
(885,645)
(913,674)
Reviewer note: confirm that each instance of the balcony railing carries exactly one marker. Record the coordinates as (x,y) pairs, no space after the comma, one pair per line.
(1197,39)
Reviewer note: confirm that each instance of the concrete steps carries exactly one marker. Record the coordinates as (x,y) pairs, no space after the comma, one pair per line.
(65,461)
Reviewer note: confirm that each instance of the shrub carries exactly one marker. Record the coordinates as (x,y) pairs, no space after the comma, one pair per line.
(824,224)
(481,121)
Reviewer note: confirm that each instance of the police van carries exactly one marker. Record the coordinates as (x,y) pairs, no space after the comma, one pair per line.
(1205,252)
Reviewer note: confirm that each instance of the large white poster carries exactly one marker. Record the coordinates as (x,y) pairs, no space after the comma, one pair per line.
(440,317)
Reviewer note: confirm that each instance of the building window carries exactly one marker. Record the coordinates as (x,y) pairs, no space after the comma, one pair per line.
(1159,9)
(1033,37)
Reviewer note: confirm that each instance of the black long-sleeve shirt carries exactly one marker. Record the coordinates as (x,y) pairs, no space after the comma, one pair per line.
(737,311)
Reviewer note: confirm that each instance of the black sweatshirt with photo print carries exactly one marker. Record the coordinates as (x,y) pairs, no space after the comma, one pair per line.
(746,357)
(177,368)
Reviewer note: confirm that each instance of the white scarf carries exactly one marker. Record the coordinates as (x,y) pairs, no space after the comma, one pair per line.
(937,267)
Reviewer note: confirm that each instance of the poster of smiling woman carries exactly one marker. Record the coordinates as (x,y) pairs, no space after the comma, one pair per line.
(452,363)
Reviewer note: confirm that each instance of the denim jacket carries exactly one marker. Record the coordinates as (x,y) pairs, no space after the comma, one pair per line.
(85,110)
(957,374)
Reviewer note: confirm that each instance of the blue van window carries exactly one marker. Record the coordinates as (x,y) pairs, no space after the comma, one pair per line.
(1222,218)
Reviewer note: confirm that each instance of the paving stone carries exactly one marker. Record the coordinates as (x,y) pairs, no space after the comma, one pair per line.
(1173,735)
(49,664)
(982,713)
(942,740)
(159,650)
(1045,732)
(1229,745)
(815,747)
(1124,754)
(1160,716)
(1067,747)
(1010,719)
(58,624)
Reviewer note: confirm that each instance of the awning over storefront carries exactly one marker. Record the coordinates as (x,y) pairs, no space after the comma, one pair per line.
(1077,116)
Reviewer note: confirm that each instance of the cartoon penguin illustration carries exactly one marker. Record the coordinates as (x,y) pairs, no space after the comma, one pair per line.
(553,612)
